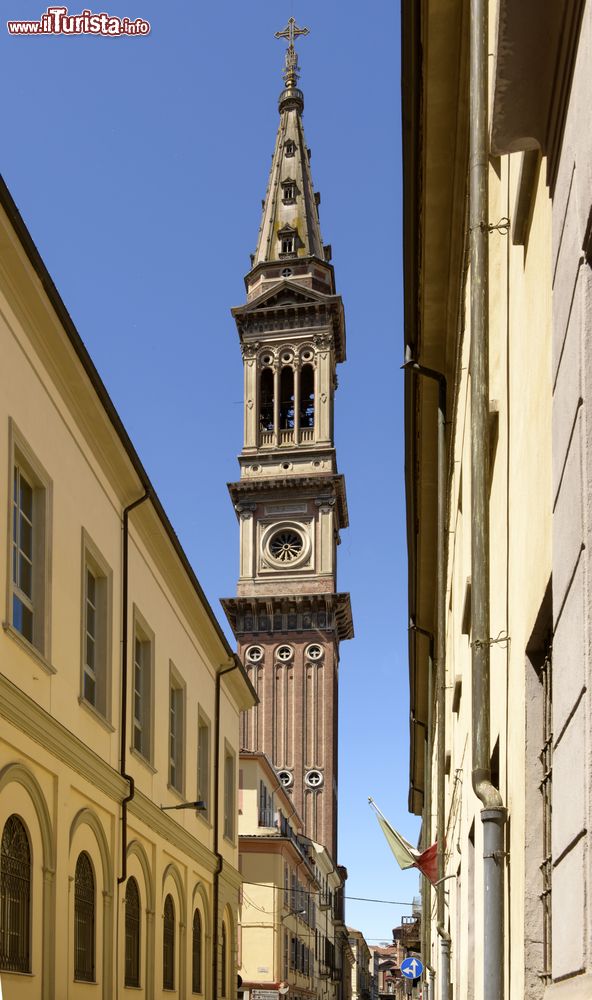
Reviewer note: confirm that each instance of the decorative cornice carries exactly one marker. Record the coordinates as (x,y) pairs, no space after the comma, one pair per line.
(326,488)
(27,716)
(312,613)
(156,820)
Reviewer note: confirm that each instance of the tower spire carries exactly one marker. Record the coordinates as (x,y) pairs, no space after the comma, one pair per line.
(290,229)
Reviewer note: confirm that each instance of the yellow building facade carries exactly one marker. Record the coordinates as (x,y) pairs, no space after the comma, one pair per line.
(496,277)
(291,929)
(119,694)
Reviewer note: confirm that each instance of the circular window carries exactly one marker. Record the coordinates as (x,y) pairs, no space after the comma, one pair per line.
(286,545)
(314,779)
(315,652)
(255,654)
(287,357)
(286,778)
(284,653)
(286,466)
(267,359)
(287,272)
(255,468)
(307,355)
(317,464)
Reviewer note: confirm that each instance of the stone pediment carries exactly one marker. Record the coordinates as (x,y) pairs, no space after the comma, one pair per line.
(287,293)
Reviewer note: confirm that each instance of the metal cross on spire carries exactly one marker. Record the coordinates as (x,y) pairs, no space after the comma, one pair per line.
(291,32)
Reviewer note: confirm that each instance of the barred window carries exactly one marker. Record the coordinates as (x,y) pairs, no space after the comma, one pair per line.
(84,920)
(132,933)
(224,963)
(15,897)
(197,956)
(168,945)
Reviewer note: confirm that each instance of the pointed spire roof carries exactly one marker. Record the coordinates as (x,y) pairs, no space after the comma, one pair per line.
(290,221)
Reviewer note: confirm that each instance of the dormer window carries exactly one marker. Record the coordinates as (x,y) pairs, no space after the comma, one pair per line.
(290,147)
(289,191)
(289,242)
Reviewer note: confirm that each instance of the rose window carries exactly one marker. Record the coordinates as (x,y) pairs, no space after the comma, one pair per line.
(284,653)
(314,779)
(286,545)
(255,654)
(314,652)
(286,778)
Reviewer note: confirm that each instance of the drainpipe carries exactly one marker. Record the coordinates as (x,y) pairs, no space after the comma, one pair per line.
(493,814)
(219,858)
(123,723)
(427,807)
(440,655)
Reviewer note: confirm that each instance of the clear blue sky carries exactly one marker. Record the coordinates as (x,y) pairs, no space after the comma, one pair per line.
(139,165)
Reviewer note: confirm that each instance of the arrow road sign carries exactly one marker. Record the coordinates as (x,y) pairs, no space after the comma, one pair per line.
(411,968)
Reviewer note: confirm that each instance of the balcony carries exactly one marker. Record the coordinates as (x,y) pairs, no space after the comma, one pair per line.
(287,436)
(266,438)
(307,435)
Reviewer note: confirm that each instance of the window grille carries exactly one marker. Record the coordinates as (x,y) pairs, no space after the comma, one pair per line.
(15,897)
(223,962)
(546,789)
(132,934)
(197,957)
(84,920)
(168,945)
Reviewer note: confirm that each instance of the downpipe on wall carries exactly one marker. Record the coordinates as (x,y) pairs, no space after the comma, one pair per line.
(493,814)
(440,662)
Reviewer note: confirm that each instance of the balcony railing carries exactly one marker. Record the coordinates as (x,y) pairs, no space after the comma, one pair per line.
(266,438)
(287,436)
(307,435)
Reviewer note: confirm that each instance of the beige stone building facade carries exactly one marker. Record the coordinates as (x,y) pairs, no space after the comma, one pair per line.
(497,167)
(361,974)
(119,695)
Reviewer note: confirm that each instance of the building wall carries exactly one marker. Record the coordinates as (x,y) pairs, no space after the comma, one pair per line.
(59,755)
(572,374)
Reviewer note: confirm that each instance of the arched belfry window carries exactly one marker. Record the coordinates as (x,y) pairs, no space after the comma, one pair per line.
(307,400)
(266,400)
(15,897)
(132,933)
(197,957)
(287,398)
(168,945)
(84,920)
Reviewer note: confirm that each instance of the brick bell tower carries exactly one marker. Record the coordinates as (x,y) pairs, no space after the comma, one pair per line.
(287,617)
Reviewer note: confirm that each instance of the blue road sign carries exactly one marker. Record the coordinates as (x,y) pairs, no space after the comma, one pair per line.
(411,968)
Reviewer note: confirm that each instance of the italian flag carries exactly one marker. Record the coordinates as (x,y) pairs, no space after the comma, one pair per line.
(406,855)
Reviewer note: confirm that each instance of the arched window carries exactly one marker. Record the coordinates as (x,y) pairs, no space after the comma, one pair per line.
(168,945)
(15,897)
(307,396)
(197,953)
(84,920)
(287,398)
(132,933)
(266,400)
(224,962)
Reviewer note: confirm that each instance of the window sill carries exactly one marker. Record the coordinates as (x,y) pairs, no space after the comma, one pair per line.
(229,840)
(30,648)
(177,792)
(14,972)
(143,760)
(87,982)
(96,714)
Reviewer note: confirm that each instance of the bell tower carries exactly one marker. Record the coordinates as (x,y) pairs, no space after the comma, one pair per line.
(288,617)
